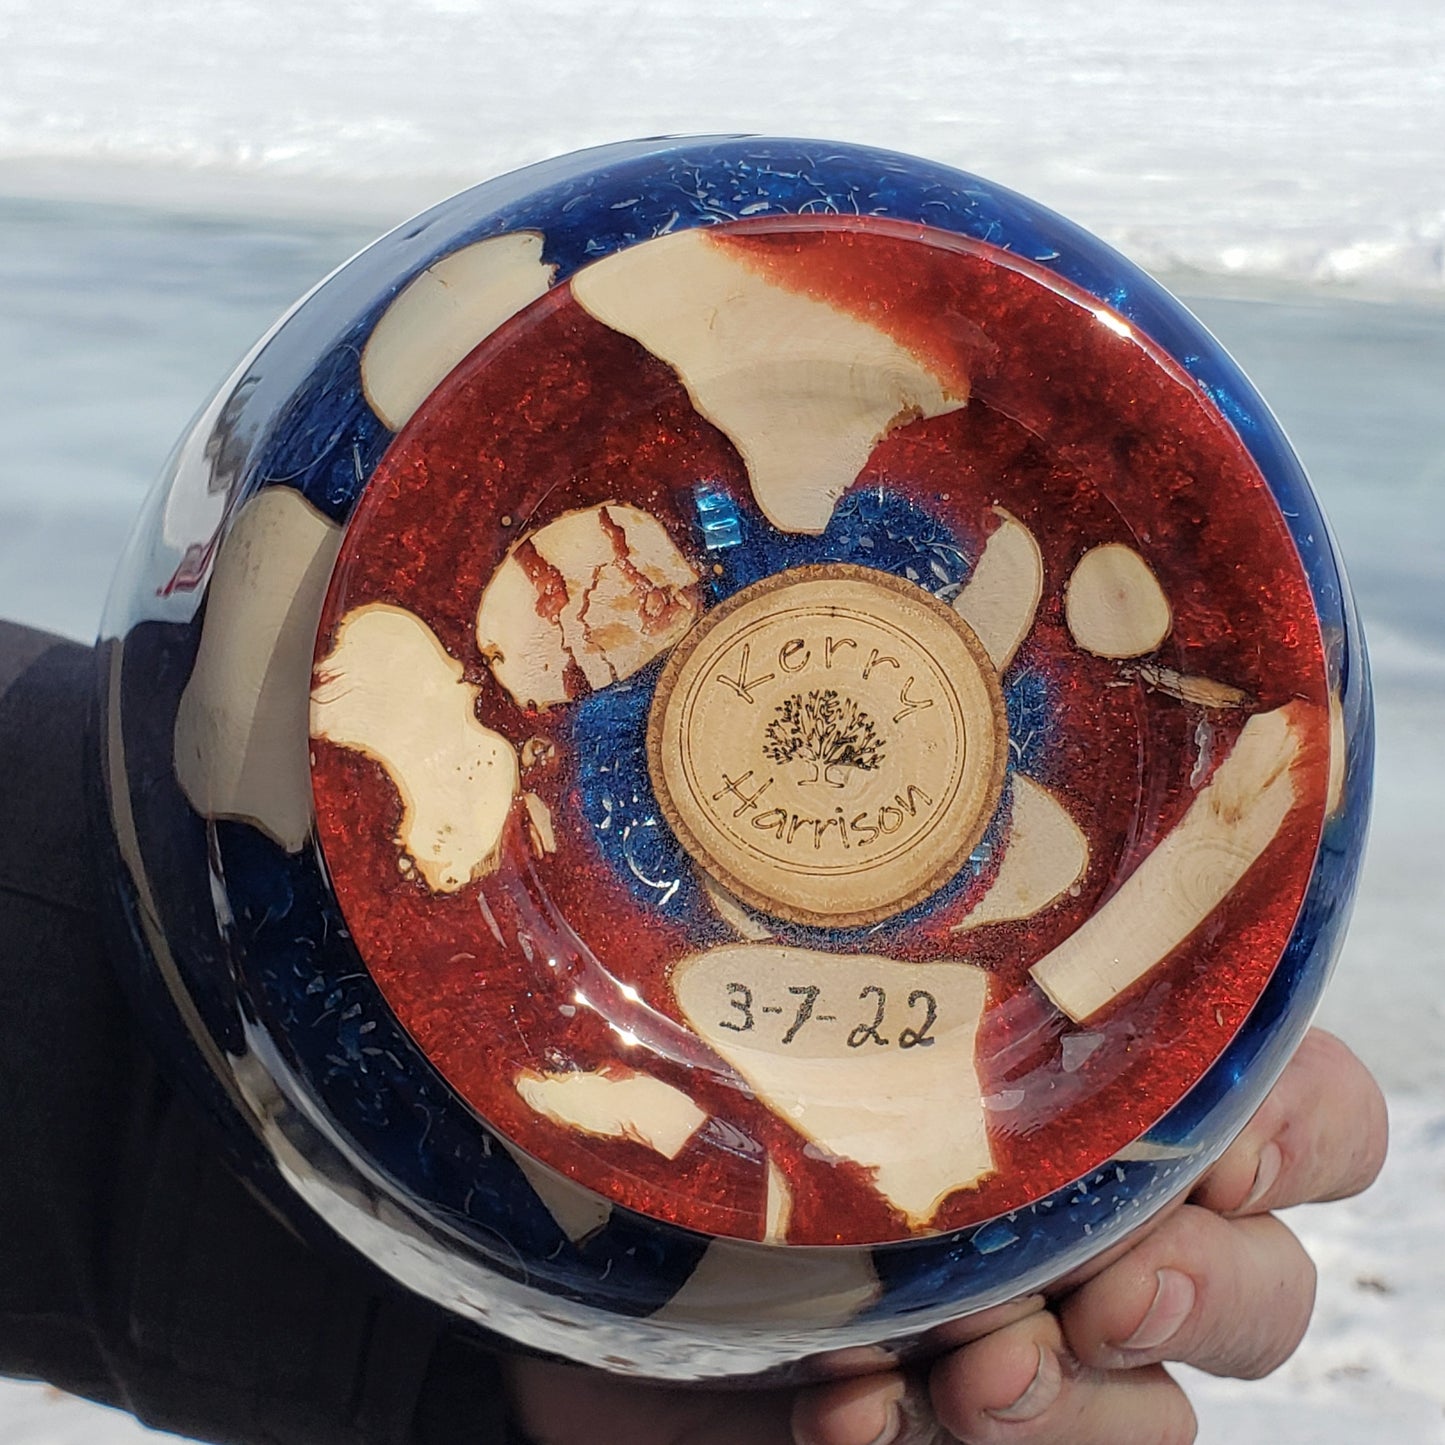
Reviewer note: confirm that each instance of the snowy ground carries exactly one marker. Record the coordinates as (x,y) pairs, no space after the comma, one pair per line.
(1298,138)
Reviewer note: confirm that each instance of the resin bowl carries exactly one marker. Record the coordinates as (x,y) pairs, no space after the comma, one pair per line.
(723,752)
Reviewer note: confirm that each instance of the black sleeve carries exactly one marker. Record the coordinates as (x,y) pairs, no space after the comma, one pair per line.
(134,1267)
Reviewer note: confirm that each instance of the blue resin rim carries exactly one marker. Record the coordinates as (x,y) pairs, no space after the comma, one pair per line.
(313,993)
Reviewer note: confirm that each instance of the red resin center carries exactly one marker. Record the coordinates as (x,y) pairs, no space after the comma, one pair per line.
(577,1021)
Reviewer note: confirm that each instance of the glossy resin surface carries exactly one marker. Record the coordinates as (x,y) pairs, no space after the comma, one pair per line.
(714,697)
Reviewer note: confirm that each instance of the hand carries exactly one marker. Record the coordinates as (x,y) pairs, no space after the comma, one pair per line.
(1218,1283)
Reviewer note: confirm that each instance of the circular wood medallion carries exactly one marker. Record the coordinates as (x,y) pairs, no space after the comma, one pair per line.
(829,744)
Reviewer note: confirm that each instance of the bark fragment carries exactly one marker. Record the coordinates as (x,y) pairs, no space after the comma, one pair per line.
(583,602)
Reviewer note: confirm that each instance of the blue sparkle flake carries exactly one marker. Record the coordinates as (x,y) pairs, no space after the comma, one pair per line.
(717,519)
(995,1236)
(1030,707)
(870,527)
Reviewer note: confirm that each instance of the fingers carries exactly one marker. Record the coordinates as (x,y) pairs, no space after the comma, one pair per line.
(881,1407)
(1232,1297)
(869,1411)
(1219,1284)
(1320,1134)
(1022,1386)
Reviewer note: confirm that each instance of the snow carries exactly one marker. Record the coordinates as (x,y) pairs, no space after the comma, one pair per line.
(1287,140)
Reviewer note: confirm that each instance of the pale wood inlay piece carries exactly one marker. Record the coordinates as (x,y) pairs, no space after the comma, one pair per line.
(1045,854)
(759,1282)
(745,923)
(541,833)
(578,1212)
(1114,604)
(1201,691)
(615,1105)
(443,315)
(241,734)
(390,690)
(1145,1151)
(596,594)
(871,1059)
(1228,826)
(1002,594)
(779,1209)
(1335,788)
(803,390)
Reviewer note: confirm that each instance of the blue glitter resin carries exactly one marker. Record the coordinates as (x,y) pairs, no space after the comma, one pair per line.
(870,527)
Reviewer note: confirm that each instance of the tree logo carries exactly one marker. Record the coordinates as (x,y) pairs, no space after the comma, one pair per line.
(827,730)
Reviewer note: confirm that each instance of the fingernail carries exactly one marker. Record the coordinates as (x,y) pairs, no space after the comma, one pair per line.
(1271,1161)
(1042,1391)
(891,1430)
(917,1424)
(850,1417)
(1173,1299)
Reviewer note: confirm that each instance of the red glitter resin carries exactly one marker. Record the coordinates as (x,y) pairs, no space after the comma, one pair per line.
(1087,434)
